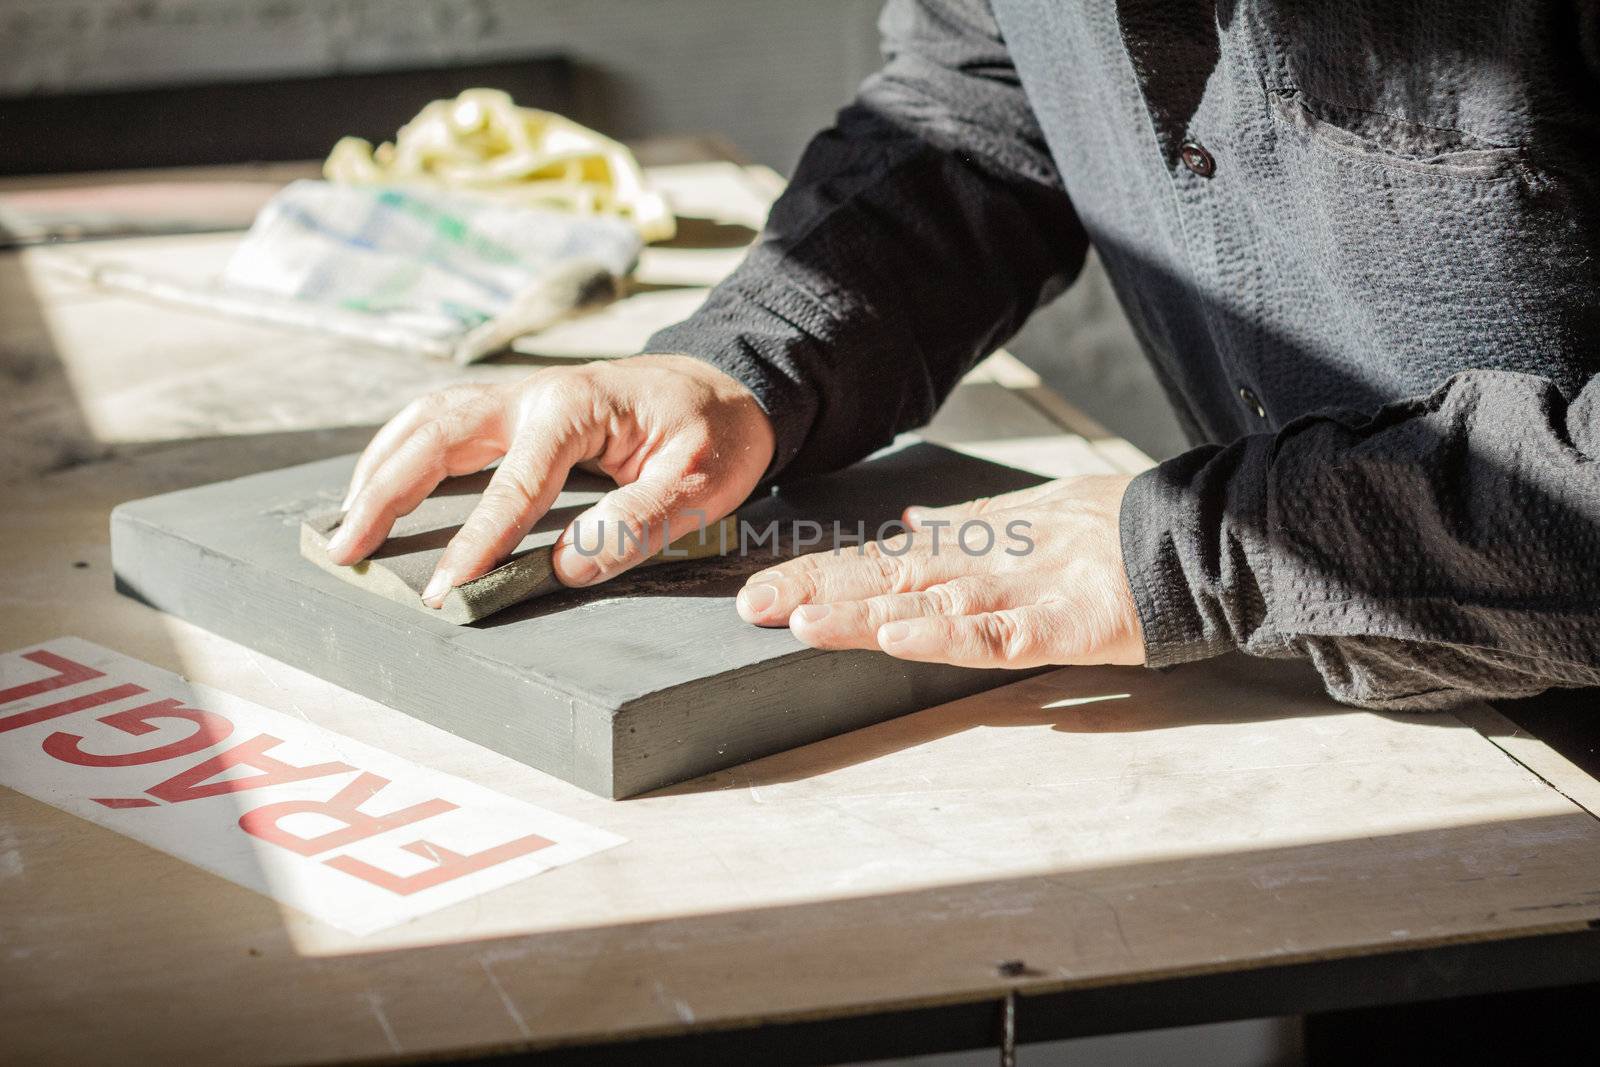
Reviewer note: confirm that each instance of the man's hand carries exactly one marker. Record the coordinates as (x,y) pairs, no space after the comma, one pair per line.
(677,435)
(1051,589)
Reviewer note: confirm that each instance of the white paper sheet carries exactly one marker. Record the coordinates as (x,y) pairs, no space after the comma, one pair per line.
(347,833)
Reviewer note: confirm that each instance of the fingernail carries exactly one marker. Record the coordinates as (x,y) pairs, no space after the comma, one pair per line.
(914,516)
(893,633)
(339,543)
(813,612)
(438,586)
(758,598)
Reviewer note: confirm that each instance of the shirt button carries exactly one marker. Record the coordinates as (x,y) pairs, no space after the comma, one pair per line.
(1252,402)
(1197,159)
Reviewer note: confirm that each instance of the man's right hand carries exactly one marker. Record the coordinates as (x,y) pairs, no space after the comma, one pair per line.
(678,436)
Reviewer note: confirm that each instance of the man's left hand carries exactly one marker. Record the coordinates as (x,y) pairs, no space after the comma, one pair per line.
(1048,588)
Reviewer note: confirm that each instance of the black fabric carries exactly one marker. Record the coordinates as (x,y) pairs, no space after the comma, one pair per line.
(1378,314)
(877,282)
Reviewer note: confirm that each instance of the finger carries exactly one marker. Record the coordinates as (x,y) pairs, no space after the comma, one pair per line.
(902,564)
(917,517)
(519,492)
(633,522)
(383,444)
(1013,638)
(436,450)
(394,433)
(855,623)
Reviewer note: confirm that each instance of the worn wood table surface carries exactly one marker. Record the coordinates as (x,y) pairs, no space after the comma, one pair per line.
(1083,831)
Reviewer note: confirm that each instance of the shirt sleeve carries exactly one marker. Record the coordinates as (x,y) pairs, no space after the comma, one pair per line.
(917,235)
(1443,550)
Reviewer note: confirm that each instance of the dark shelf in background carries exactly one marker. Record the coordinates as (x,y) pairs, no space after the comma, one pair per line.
(248,122)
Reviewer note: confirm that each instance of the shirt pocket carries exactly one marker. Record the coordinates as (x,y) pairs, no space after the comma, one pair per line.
(1429,250)
(1364,138)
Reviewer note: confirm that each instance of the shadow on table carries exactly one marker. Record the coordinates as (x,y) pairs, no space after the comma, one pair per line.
(1071,700)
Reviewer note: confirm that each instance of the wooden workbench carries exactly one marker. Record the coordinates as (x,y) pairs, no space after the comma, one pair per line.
(1118,847)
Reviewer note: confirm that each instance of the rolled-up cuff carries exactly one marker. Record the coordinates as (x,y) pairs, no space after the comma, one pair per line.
(757,334)
(1192,584)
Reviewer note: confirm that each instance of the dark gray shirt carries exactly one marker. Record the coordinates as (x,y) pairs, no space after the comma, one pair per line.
(1360,242)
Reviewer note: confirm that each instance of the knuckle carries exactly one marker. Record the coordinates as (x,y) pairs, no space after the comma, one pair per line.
(482,537)
(380,497)
(797,574)
(700,456)
(971,596)
(891,547)
(874,611)
(625,534)
(430,404)
(368,507)
(802,568)
(1002,636)
(945,599)
(506,500)
(465,393)
(803,584)
(892,572)
(650,502)
(1017,640)
(432,437)
(994,634)
(421,407)
(470,402)
(557,394)
(437,402)
(381,518)
(458,425)
(369,503)
(361,516)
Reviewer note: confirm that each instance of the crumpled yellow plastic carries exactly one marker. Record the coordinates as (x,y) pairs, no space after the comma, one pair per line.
(484,143)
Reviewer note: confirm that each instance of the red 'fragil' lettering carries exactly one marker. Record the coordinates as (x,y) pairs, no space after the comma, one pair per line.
(345,807)
(67,707)
(68,672)
(451,864)
(209,729)
(192,784)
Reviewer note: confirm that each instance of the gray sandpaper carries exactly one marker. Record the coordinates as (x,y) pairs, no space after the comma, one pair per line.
(400,568)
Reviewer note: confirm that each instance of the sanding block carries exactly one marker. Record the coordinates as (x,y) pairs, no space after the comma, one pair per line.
(400,568)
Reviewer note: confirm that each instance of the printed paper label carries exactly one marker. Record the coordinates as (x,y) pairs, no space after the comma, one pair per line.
(340,830)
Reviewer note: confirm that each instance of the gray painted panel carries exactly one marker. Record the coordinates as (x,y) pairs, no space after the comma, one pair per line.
(643,682)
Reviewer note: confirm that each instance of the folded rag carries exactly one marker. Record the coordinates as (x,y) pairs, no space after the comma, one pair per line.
(442,272)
